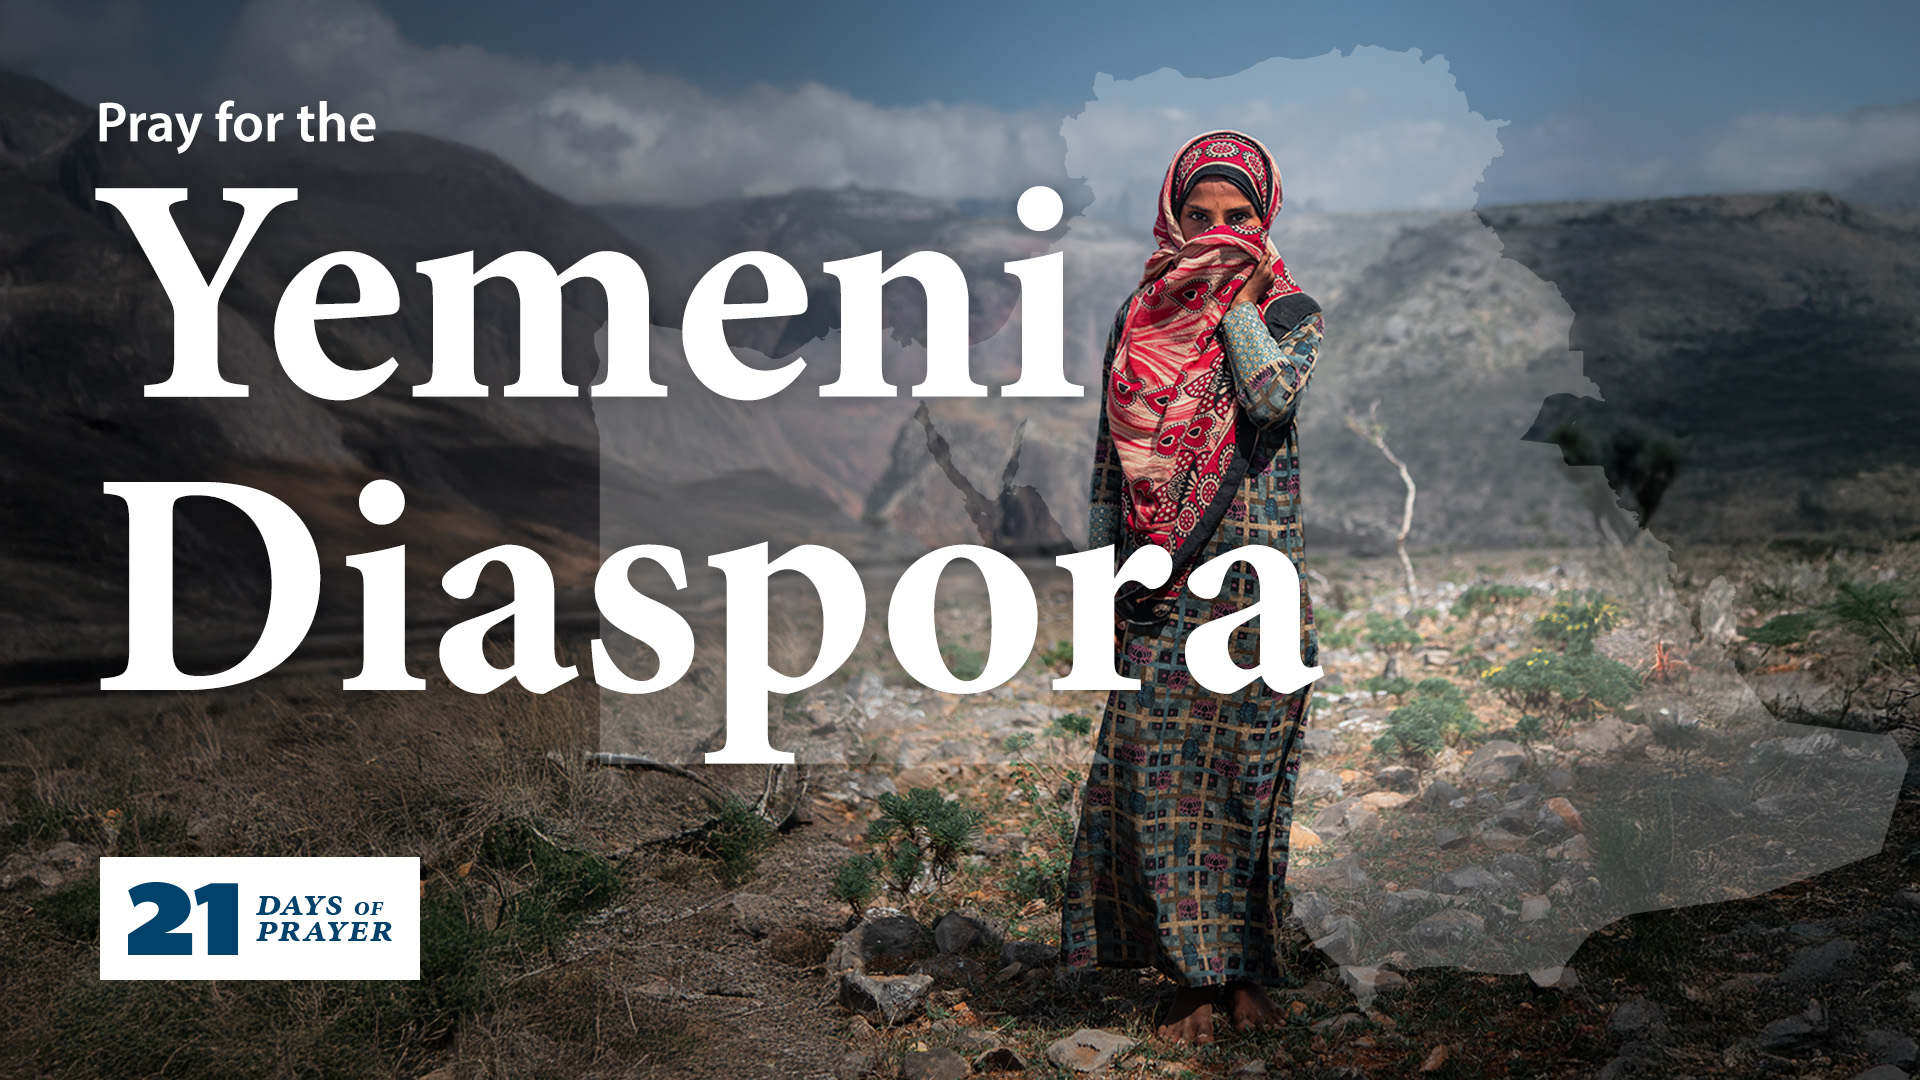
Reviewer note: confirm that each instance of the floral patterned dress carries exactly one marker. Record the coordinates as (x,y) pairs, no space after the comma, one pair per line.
(1181,854)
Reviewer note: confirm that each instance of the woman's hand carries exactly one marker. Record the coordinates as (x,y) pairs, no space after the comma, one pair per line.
(1257,286)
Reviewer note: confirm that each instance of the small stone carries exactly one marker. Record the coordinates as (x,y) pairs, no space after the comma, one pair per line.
(1560,779)
(892,998)
(1555,978)
(853,1064)
(1818,963)
(1029,954)
(1365,982)
(1317,783)
(1398,778)
(1636,1016)
(1301,838)
(1000,1059)
(1385,800)
(1255,1067)
(1786,1033)
(1565,811)
(1446,928)
(1498,839)
(1882,1072)
(1892,1047)
(1342,873)
(974,1041)
(1088,1049)
(1008,974)
(1578,849)
(1439,794)
(1447,838)
(1533,909)
(1335,1026)
(1522,792)
(939,1063)
(1471,878)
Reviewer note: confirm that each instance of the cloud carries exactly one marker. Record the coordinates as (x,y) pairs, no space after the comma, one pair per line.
(1367,130)
(1770,151)
(616,132)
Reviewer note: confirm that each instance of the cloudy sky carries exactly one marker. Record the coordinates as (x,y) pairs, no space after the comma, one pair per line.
(1367,106)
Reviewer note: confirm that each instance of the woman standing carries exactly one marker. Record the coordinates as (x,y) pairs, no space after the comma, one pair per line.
(1182,847)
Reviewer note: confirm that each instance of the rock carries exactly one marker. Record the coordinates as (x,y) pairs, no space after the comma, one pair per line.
(1471,878)
(1534,908)
(1610,735)
(1439,794)
(1255,1067)
(1522,792)
(1335,1026)
(939,1063)
(1787,1033)
(1717,616)
(1301,838)
(1385,800)
(1496,761)
(1559,780)
(1517,873)
(1444,928)
(1892,1047)
(1447,838)
(1636,1017)
(1569,816)
(891,998)
(49,869)
(1088,1049)
(1339,940)
(1365,982)
(1578,849)
(885,940)
(1320,741)
(1029,954)
(1499,839)
(1000,1059)
(853,1064)
(949,970)
(1317,783)
(1882,1072)
(1342,873)
(1818,963)
(975,1041)
(1398,778)
(957,931)
(1436,657)
(1555,978)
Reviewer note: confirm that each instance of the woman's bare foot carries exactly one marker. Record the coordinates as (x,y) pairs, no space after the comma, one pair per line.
(1190,1018)
(1249,1007)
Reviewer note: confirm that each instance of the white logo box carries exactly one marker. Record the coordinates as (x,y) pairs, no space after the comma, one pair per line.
(353,918)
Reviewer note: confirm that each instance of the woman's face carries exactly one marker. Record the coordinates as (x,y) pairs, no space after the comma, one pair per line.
(1214,202)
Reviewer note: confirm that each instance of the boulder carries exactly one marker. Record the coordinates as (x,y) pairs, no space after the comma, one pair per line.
(1496,761)
(957,931)
(885,940)
(888,998)
(1398,778)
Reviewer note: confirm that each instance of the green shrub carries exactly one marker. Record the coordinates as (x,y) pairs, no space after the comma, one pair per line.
(920,834)
(1560,688)
(738,838)
(1577,618)
(1397,685)
(1437,717)
(1390,635)
(1783,631)
(852,882)
(1487,598)
(1879,613)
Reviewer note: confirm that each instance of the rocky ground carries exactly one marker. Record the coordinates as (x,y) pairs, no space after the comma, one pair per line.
(1409,874)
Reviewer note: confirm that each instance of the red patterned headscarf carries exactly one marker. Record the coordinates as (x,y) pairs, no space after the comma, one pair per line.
(1170,397)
